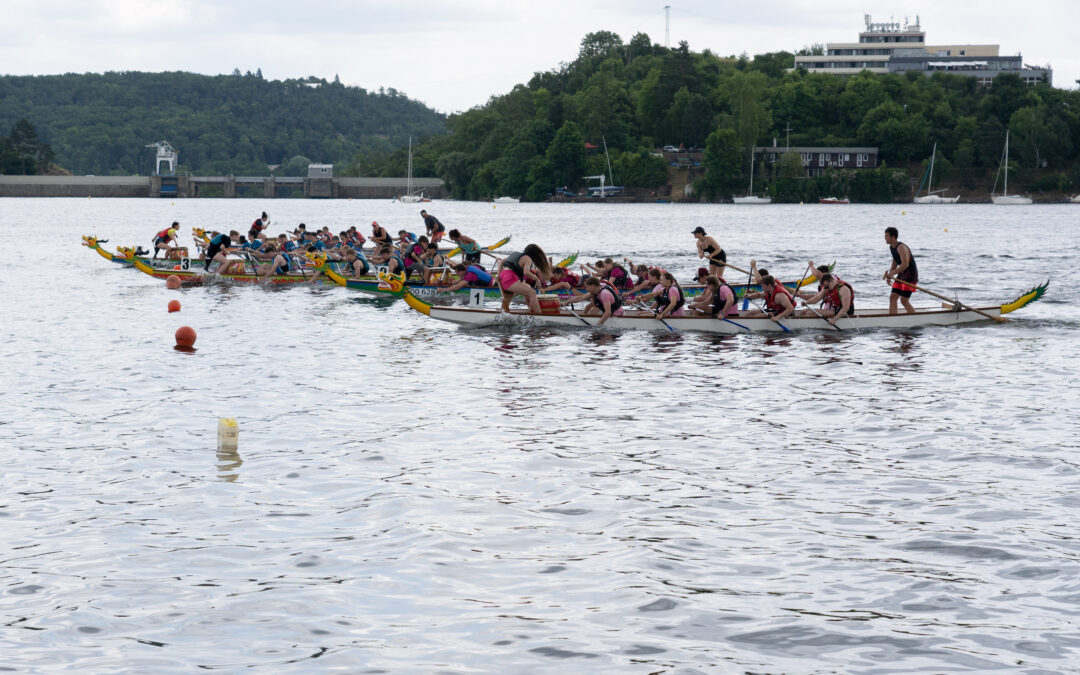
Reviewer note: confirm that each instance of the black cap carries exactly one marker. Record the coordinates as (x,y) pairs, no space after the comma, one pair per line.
(698,230)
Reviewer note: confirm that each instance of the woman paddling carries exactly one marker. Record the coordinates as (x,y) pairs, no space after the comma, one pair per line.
(517,269)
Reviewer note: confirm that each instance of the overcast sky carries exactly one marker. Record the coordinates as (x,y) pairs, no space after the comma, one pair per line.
(455,54)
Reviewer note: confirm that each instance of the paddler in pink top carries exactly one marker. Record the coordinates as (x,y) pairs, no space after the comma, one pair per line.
(516,269)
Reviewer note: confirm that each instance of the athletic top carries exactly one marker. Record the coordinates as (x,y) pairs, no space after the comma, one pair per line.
(911,274)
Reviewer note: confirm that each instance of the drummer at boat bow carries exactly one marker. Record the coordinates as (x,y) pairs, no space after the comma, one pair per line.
(778,301)
(903,268)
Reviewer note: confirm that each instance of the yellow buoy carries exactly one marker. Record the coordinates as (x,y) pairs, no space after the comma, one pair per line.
(228,434)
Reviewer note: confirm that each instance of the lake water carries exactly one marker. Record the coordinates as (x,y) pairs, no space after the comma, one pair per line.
(413,497)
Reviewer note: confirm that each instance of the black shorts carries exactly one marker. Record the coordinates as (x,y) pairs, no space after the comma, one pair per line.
(902,294)
(718,258)
(473,257)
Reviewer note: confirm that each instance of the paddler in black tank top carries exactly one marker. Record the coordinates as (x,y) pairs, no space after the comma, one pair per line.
(707,247)
(903,268)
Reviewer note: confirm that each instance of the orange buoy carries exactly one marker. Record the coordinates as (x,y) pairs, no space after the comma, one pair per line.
(185,336)
(174,306)
(172,282)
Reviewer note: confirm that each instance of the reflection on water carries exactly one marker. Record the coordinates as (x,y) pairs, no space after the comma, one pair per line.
(417,497)
(228,462)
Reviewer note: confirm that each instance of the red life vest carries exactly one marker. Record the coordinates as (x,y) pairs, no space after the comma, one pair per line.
(772,305)
(163,235)
(833,300)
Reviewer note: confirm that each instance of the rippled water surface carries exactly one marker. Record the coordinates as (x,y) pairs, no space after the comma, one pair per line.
(409,496)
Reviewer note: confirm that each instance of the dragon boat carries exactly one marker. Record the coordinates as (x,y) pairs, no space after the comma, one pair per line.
(647,320)
(374,285)
(202,236)
(126,255)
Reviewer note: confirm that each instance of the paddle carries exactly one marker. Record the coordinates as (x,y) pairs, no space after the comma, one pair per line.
(822,317)
(570,308)
(999,319)
(655,315)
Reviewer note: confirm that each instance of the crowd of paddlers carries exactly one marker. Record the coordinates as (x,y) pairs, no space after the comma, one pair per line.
(606,285)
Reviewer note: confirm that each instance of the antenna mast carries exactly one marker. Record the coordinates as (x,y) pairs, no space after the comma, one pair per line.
(667,26)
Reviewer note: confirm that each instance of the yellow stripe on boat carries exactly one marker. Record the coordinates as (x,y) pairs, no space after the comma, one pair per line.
(1026,298)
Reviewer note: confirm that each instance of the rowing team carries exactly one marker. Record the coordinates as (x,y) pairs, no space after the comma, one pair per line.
(409,254)
(521,273)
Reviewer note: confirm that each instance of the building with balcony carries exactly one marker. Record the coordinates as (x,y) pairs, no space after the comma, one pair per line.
(896,48)
(817,160)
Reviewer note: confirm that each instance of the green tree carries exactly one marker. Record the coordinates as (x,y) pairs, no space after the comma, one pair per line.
(566,156)
(722,165)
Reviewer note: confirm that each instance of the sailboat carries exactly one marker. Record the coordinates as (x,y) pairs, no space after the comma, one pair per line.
(930,197)
(409,197)
(1004,199)
(750,197)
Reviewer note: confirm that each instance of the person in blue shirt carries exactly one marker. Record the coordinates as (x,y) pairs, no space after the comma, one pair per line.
(219,249)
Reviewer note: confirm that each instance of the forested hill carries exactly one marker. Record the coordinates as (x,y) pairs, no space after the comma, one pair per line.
(638,96)
(238,124)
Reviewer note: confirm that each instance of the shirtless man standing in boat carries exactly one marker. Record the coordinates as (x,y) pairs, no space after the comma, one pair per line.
(903,268)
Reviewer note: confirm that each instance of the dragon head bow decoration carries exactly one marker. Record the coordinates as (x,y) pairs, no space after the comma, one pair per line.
(391,282)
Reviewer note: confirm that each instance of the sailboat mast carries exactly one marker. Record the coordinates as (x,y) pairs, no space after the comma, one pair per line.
(751,173)
(408,181)
(930,182)
(1006,163)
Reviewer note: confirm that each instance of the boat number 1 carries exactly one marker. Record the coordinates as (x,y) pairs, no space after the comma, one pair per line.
(476,297)
(185,264)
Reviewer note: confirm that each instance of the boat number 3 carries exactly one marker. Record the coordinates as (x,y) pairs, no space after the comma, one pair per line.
(476,297)
(185,264)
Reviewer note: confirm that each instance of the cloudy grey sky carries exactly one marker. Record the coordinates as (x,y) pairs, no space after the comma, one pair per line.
(455,54)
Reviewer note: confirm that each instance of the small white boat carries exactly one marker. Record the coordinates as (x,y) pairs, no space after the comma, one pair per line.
(834,200)
(507,200)
(750,197)
(930,197)
(1075,200)
(1005,199)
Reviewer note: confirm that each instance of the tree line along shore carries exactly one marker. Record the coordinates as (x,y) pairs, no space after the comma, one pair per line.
(609,111)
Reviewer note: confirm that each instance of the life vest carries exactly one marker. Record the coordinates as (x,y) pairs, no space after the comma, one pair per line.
(718,299)
(401,263)
(381,236)
(284,269)
(481,274)
(257,226)
(163,235)
(622,279)
(610,288)
(833,300)
(771,305)
(664,297)
(471,247)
